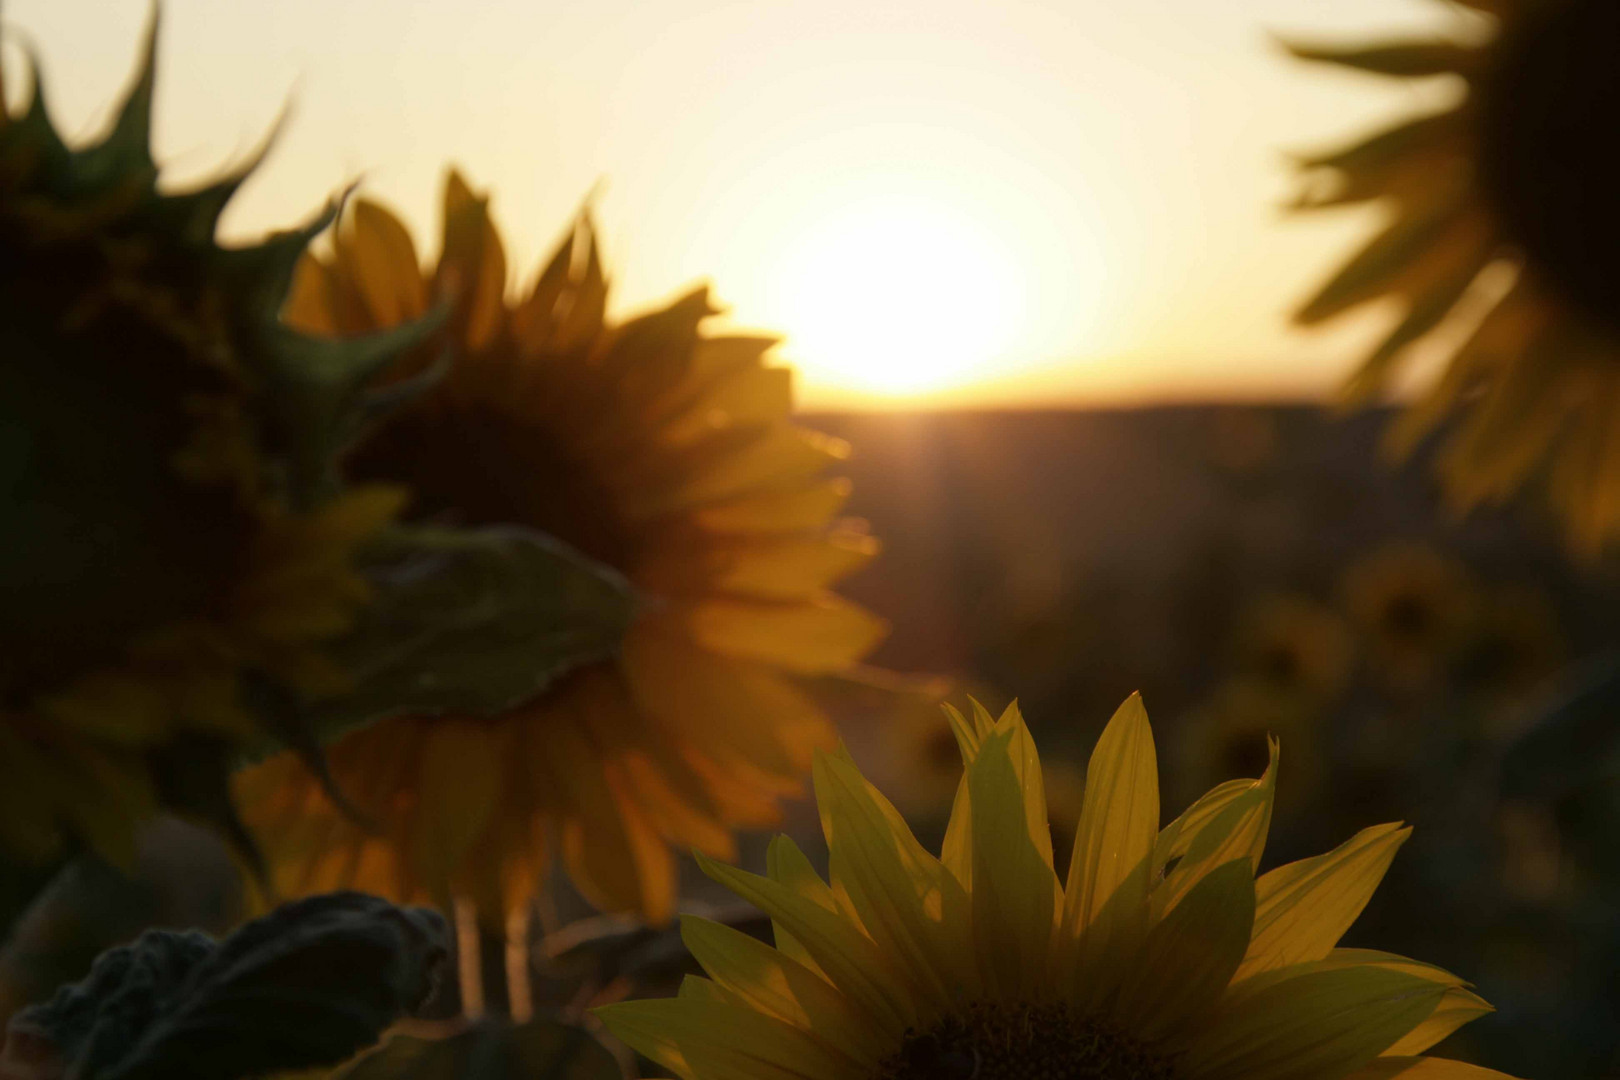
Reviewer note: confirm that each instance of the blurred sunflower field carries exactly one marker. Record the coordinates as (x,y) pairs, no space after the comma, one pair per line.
(425,658)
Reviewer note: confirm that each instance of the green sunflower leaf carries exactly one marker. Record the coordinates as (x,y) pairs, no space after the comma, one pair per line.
(473,621)
(541,1049)
(305,986)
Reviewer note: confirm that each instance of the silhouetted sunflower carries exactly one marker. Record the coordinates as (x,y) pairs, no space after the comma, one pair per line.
(649,446)
(1160,957)
(1516,175)
(170,544)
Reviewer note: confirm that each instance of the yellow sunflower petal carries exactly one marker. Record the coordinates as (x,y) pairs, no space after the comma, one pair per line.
(808,507)
(851,961)
(1175,838)
(787,865)
(1189,957)
(715,702)
(1119,819)
(534,317)
(650,1028)
(1105,899)
(472,263)
(732,463)
(1342,958)
(1415,1068)
(752,395)
(613,853)
(311,302)
(376,251)
(717,1040)
(1013,886)
(779,986)
(458,789)
(910,905)
(1457,1007)
(1320,1024)
(1305,907)
(677,803)
(794,567)
(824,635)
(956,853)
(1238,829)
(1026,764)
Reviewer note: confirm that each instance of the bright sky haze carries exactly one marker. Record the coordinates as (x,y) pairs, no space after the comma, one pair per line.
(939,202)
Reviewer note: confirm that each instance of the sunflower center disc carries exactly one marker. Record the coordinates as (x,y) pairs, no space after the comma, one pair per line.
(1548,161)
(484,464)
(1012,1041)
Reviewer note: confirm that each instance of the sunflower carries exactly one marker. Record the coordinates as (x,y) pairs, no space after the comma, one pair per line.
(651,446)
(1414,607)
(171,537)
(1296,646)
(1515,645)
(1226,734)
(1499,202)
(1161,956)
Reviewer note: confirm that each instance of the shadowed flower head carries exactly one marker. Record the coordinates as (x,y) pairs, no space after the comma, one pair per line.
(1160,956)
(1502,228)
(169,534)
(651,446)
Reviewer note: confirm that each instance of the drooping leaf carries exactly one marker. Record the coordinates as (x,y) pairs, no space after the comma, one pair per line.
(542,1049)
(473,621)
(307,985)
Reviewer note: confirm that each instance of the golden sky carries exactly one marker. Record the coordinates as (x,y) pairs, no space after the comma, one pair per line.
(939,201)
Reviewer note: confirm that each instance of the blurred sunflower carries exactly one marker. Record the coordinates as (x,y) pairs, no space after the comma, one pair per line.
(1227,734)
(1515,175)
(1514,646)
(1414,607)
(170,544)
(915,756)
(652,447)
(1299,648)
(1161,956)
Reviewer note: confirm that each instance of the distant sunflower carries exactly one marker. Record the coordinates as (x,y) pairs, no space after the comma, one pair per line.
(1299,648)
(1514,646)
(650,446)
(916,758)
(1414,607)
(1516,174)
(1161,957)
(168,537)
(1227,733)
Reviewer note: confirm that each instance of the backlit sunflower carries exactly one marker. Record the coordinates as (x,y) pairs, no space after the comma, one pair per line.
(1514,179)
(651,446)
(170,537)
(1161,956)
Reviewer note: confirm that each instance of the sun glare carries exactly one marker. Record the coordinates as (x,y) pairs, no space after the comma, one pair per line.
(897,296)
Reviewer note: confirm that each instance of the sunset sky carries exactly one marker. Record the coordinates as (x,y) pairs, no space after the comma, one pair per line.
(938,201)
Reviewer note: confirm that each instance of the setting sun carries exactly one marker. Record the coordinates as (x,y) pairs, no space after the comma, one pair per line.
(897,296)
